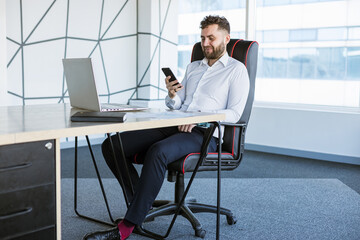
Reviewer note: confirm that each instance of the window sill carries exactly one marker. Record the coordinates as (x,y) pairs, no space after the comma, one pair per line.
(307,107)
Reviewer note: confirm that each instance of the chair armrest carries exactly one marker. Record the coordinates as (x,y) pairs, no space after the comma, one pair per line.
(241,124)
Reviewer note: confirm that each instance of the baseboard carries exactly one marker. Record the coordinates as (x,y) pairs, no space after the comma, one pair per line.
(304,154)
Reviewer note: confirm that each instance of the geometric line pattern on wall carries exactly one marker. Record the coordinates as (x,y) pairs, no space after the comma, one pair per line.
(24,42)
(157,49)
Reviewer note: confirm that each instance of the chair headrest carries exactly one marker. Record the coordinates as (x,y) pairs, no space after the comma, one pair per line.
(236,48)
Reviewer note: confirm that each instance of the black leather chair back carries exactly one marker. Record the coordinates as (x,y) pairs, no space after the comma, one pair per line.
(247,53)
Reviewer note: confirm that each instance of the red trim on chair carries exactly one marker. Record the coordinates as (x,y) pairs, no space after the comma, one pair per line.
(248,51)
(135,158)
(183,168)
(232,50)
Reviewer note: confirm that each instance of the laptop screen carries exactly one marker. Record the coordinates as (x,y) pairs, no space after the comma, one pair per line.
(81,83)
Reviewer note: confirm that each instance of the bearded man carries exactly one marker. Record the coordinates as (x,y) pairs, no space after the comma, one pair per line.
(218,84)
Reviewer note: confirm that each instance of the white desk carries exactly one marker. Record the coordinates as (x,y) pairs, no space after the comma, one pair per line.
(46,124)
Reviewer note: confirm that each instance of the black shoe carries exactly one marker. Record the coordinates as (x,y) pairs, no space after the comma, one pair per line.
(110,234)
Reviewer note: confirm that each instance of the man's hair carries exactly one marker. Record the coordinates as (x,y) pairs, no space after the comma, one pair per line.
(222,22)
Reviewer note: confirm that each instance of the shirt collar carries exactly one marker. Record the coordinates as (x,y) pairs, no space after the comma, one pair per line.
(224,60)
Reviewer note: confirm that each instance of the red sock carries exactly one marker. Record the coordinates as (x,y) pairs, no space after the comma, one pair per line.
(125,229)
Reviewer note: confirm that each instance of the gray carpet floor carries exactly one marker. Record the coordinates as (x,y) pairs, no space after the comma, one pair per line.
(273,196)
(265,208)
(253,165)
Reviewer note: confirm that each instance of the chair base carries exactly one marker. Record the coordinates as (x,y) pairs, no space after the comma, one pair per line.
(187,211)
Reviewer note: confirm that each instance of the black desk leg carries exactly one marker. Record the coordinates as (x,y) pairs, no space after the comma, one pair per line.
(118,167)
(218,184)
(100,182)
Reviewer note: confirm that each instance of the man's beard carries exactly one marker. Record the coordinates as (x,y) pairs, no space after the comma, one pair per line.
(216,53)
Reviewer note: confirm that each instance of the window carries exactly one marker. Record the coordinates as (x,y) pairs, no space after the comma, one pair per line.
(301,64)
(331,63)
(262,3)
(303,35)
(188,39)
(306,59)
(276,36)
(190,15)
(273,63)
(272,2)
(183,60)
(353,59)
(303,58)
(325,34)
(191,6)
(354,33)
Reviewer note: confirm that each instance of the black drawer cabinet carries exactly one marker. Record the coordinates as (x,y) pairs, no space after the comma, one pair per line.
(27,191)
(42,234)
(26,164)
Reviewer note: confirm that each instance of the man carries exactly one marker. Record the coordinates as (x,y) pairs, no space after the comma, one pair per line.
(217,83)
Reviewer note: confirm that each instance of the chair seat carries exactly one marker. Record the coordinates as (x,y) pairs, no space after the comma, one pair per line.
(188,163)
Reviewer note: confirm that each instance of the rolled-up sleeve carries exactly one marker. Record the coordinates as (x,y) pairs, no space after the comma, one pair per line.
(174,103)
(178,100)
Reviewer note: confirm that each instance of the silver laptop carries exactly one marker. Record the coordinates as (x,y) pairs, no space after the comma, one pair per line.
(82,90)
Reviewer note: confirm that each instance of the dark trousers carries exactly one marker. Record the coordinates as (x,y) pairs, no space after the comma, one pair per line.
(155,149)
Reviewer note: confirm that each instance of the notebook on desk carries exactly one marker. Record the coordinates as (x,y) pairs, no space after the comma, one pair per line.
(99,117)
(82,89)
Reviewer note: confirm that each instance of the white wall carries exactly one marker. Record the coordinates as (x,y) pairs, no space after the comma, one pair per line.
(126,40)
(3,85)
(157,47)
(52,30)
(327,134)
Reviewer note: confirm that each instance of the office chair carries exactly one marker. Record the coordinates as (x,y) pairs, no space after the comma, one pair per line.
(232,147)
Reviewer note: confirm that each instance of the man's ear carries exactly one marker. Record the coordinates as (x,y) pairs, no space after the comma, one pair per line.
(227,38)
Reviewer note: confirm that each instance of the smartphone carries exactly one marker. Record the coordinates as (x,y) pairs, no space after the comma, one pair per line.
(168,72)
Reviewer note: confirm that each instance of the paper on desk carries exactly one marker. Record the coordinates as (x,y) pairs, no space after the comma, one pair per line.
(162,115)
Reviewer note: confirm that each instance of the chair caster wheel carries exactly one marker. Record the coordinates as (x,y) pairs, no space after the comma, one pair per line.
(191,200)
(231,220)
(200,233)
(149,220)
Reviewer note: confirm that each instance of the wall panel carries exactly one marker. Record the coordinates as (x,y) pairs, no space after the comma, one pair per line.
(43,32)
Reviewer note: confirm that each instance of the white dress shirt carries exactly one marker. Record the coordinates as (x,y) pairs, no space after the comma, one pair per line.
(221,88)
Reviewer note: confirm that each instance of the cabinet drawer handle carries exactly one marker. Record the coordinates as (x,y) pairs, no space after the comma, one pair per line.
(15,214)
(22,165)
(48,145)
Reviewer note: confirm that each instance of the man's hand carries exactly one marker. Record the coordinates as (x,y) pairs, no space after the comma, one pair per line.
(172,87)
(186,128)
